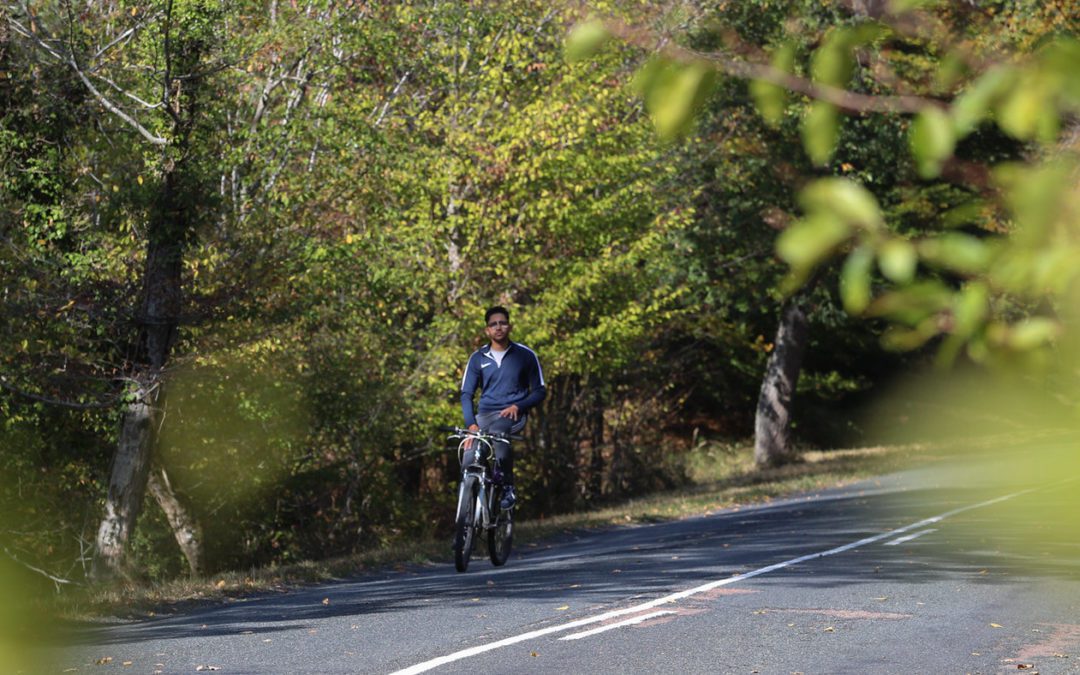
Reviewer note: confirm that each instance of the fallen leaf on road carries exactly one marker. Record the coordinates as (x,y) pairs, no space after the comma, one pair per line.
(575,585)
(220,584)
(830,629)
(976,653)
(103,660)
(996,625)
(562,608)
(490,582)
(127,663)
(208,668)
(1025,666)
(533,654)
(1061,656)
(882,598)
(326,601)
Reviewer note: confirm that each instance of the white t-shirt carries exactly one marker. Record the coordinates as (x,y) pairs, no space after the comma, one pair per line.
(498,356)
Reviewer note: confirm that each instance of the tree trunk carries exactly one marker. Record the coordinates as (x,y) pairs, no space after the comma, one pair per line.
(127,485)
(772,430)
(158,318)
(184,526)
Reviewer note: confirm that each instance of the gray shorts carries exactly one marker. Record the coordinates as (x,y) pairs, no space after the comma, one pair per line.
(487,420)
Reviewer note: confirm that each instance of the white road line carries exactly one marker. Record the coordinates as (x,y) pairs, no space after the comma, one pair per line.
(611,626)
(697,590)
(901,540)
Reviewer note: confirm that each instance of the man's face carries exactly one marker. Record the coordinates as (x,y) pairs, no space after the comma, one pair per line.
(498,327)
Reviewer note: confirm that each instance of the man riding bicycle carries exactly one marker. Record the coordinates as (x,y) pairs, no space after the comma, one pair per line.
(511,383)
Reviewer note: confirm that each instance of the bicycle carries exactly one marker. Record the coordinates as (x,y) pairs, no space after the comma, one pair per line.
(479,497)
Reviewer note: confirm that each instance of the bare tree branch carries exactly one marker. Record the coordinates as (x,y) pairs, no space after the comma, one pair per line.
(391,97)
(55,579)
(74,65)
(120,90)
(52,401)
(841,98)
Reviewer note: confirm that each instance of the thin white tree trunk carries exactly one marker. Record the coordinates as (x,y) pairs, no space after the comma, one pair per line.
(184,525)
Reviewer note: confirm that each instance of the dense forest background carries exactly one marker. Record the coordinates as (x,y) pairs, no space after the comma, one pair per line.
(246,249)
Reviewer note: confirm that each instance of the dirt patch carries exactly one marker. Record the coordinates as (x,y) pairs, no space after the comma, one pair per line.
(1063,639)
(720,592)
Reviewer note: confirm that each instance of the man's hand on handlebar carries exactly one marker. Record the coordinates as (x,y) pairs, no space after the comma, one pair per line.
(469,441)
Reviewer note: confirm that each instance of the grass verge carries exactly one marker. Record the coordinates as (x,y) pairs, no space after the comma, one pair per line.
(721,476)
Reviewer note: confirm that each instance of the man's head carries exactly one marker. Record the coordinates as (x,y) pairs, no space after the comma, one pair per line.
(498,324)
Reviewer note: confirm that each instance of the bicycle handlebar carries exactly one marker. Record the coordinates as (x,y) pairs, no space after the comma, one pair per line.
(463,433)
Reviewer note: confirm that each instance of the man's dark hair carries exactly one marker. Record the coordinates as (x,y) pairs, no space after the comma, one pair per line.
(496,310)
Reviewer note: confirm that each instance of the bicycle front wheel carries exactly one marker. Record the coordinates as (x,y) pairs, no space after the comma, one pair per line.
(465,523)
(500,537)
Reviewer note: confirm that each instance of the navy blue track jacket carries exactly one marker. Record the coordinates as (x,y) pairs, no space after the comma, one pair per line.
(518,381)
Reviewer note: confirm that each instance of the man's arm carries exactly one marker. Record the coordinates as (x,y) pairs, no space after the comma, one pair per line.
(469,382)
(537,389)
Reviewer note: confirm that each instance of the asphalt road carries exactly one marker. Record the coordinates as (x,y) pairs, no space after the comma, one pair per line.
(911,573)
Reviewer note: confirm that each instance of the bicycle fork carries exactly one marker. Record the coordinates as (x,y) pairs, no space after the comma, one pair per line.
(481,510)
(483,514)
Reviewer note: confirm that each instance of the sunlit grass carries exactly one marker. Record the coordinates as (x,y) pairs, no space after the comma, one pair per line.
(721,477)
(724,476)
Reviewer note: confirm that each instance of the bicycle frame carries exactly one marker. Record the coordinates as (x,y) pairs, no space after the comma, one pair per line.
(483,467)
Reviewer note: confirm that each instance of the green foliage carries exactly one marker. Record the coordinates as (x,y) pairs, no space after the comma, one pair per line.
(358,183)
(1026,95)
(771,99)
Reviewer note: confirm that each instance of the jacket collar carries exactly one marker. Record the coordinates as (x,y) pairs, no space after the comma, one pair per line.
(486,351)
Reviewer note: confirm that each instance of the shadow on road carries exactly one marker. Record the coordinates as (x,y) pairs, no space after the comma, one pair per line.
(992,544)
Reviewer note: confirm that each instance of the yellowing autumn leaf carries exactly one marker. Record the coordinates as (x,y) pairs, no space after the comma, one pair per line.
(562,608)
(996,625)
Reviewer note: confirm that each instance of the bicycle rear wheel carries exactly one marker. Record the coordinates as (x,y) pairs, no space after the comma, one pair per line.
(465,523)
(501,536)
